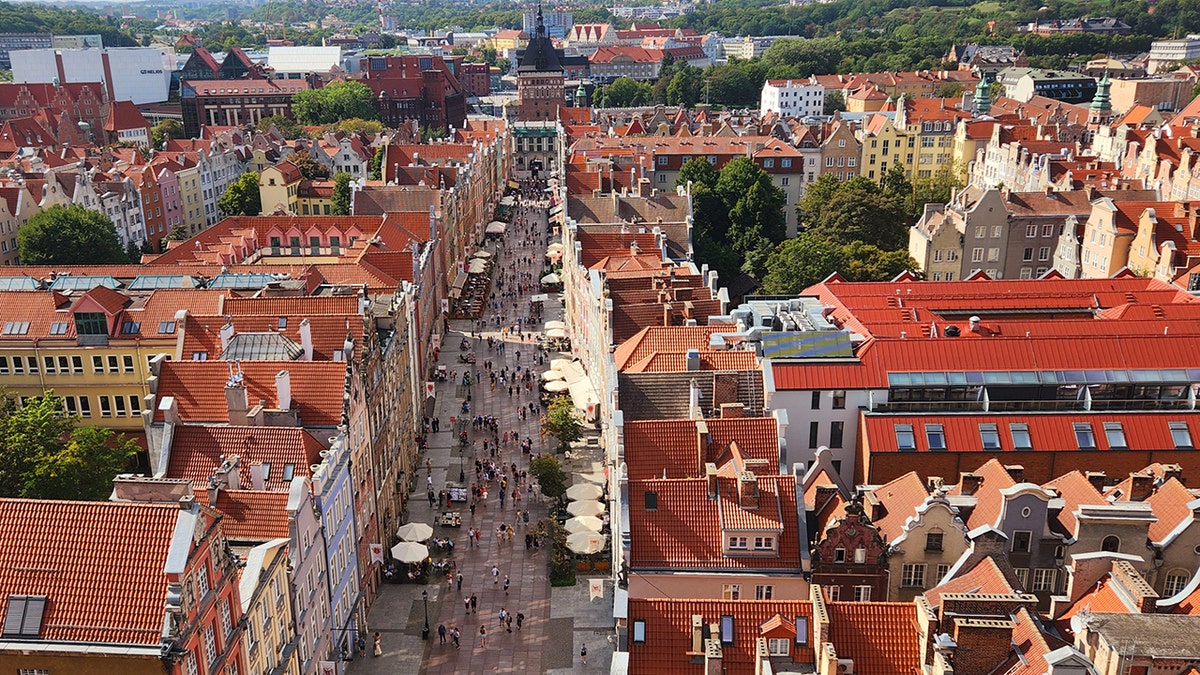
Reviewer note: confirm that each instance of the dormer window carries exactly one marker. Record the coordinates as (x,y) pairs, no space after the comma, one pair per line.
(839,555)
(739,543)
(764,543)
(90,323)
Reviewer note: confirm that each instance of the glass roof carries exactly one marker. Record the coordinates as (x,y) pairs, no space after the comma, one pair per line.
(18,284)
(151,281)
(240,281)
(74,283)
(1044,377)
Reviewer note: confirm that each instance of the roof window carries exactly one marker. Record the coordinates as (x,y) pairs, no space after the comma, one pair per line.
(23,616)
(904,437)
(1084,437)
(990,436)
(1114,434)
(166,327)
(58,328)
(16,327)
(651,501)
(1180,434)
(1020,435)
(936,436)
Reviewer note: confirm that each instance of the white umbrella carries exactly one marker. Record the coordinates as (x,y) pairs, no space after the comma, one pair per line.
(477,266)
(590,507)
(583,524)
(495,227)
(556,247)
(551,278)
(556,387)
(507,201)
(556,333)
(585,543)
(409,552)
(482,254)
(552,375)
(559,364)
(554,324)
(414,532)
(584,491)
(597,478)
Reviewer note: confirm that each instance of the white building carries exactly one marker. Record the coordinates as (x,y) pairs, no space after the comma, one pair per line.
(1165,53)
(793,98)
(298,62)
(138,74)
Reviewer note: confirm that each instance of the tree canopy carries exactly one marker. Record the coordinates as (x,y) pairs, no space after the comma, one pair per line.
(809,258)
(69,235)
(334,102)
(283,125)
(562,421)
(168,128)
(309,168)
(241,198)
(549,474)
(624,92)
(341,194)
(854,210)
(44,455)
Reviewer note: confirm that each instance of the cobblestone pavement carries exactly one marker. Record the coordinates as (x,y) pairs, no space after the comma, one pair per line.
(550,637)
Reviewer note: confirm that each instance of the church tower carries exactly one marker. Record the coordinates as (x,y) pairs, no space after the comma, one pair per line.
(541,88)
(1100,111)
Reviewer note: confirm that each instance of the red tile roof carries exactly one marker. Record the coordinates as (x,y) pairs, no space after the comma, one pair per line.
(674,362)
(881,637)
(899,499)
(684,531)
(197,450)
(988,500)
(655,339)
(669,632)
(1075,490)
(653,447)
(251,515)
(1103,598)
(100,565)
(1170,503)
(199,388)
(1031,643)
(985,578)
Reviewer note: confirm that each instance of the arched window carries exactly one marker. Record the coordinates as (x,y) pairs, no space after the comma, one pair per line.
(1110,544)
(1176,580)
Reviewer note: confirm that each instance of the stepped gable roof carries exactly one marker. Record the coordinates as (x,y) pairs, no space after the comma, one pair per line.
(98,564)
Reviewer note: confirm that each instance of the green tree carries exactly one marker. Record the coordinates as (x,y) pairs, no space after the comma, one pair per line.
(168,128)
(835,101)
(310,168)
(69,235)
(864,262)
(334,102)
(801,262)
(859,210)
(341,194)
(562,421)
(133,252)
(626,92)
(376,165)
(358,126)
(178,233)
(43,455)
(241,198)
(283,125)
(549,474)
(685,87)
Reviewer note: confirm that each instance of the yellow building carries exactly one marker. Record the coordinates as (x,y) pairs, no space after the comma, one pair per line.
(505,40)
(1108,236)
(191,198)
(885,146)
(279,188)
(92,348)
(919,136)
(268,610)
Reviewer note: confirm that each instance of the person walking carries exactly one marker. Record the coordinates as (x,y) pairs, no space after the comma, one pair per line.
(459,578)
(520,619)
(466,604)
(378,651)
(506,584)
(474,604)
(583,653)
(456,636)
(442,633)
(483,637)
(495,575)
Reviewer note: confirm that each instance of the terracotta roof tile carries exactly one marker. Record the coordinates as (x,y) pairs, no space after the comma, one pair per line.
(653,447)
(199,388)
(1102,598)
(198,449)
(1170,503)
(663,339)
(900,499)
(251,515)
(1031,643)
(674,362)
(100,565)
(988,500)
(669,632)
(881,637)
(985,578)
(684,530)
(1075,490)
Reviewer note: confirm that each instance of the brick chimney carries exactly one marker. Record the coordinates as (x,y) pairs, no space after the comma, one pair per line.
(1144,597)
(710,474)
(732,410)
(1141,486)
(981,644)
(747,490)
(1016,472)
(1097,479)
(236,403)
(1172,471)
(969,482)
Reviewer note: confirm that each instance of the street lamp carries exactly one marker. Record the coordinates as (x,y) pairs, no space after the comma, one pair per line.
(425,630)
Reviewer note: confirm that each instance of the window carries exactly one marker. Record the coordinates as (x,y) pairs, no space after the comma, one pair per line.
(639,631)
(993,254)
(58,328)
(834,593)
(130,328)
(839,555)
(105,406)
(862,593)
(18,365)
(1111,544)
(3,365)
(120,401)
(85,406)
(990,436)
(839,399)
(1176,580)
(764,592)
(112,364)
(127,362)
(1179,433)
(23,616)
(202,587)
(936,437)
(1084,437)
(651,501)
(727,629)
(977,255)
(731,591)
(785,163)
(1020,435)
(778,646)
(1022,575)
(764,543)
(904,437)
(913,575)
(1047,230)
(1114,434)
(816,400)
(135,406)
(942,570)
(739,543)
(1022,539)
(814,429)
(226,618)
(199,356)
(97,364)
(77,364)
(997,231)
(860,555)
(835,434)
(1030,231)
(933,541)
(1027,254)
(1043,579)
(48,364)
(210,645)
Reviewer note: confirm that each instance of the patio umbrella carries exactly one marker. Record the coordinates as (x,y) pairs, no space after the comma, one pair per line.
(584,491)
(556,387)
(585,543)
(590,507)
(583,524)
(552,375)
(597,478)
(559,364)
(495,227)
(551,278)
(482,254)
(414,532)
(554,324)
(555,247)
(408,552)
(556,333)
(508,201)
(477,266)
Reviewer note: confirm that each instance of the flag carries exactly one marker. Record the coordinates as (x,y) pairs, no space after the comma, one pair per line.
(595,589)
(377,553)
(328,668)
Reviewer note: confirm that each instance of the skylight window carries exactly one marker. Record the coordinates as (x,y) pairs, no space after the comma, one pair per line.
(936,436)
(1180,434)
(904,437)
(990,436)
(1084,437)
(165,327)
(1020,435)
(130,328)
(16,328)
(1114,434)
(23,616)
(58,328)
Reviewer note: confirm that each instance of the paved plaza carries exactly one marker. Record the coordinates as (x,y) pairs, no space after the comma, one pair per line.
(557,621)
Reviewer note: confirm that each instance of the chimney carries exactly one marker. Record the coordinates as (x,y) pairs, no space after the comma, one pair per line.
(1144,597)
(170,410)
(283,389)
(1016,472)
(227,333)
(713,657)
(693,359)
(236,403)
(697,633)
(257,479)
(974,321)
(1142,486)
(710,473)
(1172,471)
(1097,479)
(981,643)
(969,482)
(747,490)
(306,342)
(731,411)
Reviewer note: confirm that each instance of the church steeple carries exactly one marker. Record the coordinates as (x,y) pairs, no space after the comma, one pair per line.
(1100,111)
(983,96)
(580,96)
(541,23)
